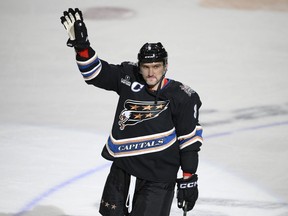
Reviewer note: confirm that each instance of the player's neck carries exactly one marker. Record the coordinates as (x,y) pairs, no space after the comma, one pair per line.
(155,87)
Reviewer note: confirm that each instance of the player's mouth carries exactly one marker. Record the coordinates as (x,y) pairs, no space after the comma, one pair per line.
(151,79)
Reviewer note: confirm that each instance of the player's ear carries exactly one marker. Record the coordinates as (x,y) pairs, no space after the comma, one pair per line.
(139,68)
(166,67)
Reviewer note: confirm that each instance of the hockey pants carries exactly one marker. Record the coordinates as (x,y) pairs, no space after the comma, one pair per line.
(150,198)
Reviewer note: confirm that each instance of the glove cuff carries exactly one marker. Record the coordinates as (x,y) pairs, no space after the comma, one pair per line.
(187,175)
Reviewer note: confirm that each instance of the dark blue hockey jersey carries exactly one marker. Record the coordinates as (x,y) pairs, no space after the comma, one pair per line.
(154,133)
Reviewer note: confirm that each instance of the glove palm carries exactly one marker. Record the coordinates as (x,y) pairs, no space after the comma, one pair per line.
(72,21)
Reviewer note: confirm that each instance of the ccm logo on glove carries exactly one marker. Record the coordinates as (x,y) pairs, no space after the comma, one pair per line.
(188,185)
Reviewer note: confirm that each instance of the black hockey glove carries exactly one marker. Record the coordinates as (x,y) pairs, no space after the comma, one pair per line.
(76,29)
(187,192)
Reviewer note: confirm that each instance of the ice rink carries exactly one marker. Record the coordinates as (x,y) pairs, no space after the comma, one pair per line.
(53,126)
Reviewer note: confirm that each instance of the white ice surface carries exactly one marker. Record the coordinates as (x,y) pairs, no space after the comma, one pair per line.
(53,126)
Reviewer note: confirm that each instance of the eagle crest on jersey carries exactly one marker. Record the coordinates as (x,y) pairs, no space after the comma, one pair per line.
(135,112)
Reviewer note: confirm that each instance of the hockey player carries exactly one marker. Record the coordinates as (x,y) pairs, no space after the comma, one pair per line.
(155,130)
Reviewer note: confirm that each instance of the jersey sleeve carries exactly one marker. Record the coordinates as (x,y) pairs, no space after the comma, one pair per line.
(98,72)
(189,131)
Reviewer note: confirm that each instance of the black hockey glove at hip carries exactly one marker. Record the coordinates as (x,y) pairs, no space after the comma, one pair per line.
(76,29)
(187,192)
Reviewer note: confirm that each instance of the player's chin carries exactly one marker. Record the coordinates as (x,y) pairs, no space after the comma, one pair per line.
(151,81)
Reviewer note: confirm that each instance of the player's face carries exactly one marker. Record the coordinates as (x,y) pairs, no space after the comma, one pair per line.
(152,73)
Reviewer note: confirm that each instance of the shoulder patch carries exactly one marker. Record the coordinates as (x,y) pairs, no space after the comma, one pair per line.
(189,91)
(129,63)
